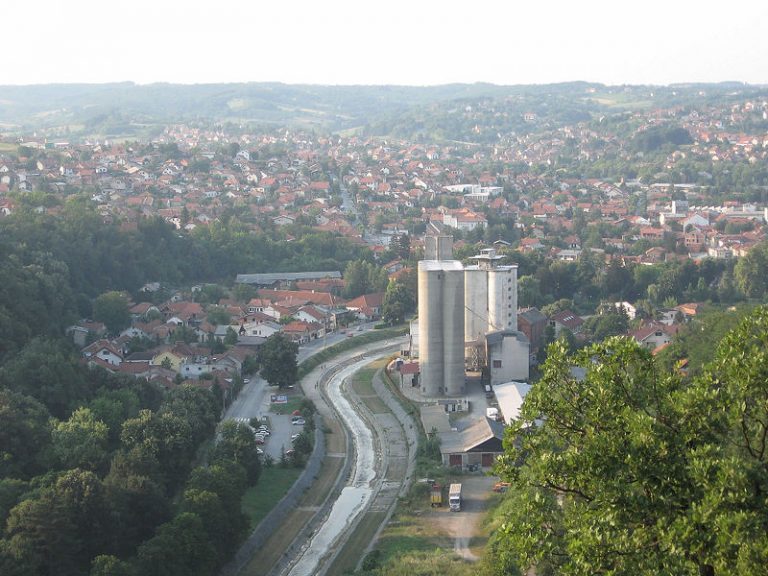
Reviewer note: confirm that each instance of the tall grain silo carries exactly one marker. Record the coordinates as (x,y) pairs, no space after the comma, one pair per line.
(502,298)
(476,304)
(453,330)
(441,327)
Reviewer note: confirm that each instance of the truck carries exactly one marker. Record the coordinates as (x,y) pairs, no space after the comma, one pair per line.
(436,495)
(454,498)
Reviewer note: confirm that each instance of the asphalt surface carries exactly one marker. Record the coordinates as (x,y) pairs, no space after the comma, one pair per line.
(254,399)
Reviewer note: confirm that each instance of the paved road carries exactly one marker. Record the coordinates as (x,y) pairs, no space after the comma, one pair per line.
(254,399)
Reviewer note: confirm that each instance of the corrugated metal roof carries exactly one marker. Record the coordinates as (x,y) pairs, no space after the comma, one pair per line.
(270,278)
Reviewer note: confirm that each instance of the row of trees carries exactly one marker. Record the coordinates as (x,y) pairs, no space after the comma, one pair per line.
(588,281)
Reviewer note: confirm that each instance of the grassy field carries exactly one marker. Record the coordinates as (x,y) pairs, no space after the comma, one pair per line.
(362,384)
(294,403)
(273,484)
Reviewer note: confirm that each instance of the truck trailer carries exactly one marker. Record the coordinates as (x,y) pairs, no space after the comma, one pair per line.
(454,498)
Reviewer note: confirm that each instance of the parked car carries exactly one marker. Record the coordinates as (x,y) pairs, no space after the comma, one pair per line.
(299,422)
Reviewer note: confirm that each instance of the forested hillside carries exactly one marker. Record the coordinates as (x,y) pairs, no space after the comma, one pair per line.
(480,113)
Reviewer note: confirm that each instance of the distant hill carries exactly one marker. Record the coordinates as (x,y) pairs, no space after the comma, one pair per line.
(455,111)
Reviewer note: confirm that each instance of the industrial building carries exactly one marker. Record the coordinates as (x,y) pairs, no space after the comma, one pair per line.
(490,304)
(467,318)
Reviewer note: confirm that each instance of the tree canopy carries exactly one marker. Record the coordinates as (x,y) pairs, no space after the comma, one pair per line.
(634,470)
(278,357)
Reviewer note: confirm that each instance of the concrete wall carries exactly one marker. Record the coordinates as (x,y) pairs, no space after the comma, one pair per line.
(438,247)
(512,353)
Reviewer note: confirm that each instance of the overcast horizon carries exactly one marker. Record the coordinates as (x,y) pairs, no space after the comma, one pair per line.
(348,43)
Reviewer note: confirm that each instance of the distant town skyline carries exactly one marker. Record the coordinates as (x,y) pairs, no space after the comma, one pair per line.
(398,42)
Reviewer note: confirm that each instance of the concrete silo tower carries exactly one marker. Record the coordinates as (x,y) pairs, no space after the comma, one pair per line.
(490,297)
(441,327)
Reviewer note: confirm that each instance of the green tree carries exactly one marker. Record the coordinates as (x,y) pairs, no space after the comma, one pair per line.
(225,528)
(611,323)
(48,371)
(162,444)
(230,339)
(60,530)
(277,357)
(529,292)
(11,490)
(179,548)
(396,304)
(749,272)
(237,444)
(218,315)
(111,308)
(24,435)
(106,565)
(632,470)
(81,441)
(113,407)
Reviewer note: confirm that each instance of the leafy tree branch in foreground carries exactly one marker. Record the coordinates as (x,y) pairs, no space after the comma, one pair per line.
(633,470)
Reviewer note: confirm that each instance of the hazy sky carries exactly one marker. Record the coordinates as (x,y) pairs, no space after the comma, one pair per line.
(416,42)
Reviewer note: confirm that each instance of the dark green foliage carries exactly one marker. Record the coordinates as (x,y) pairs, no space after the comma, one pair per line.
(224,527)
(656,137)
(302,444)
(610,323)
(11,491)
(161,444)
(60,530)
(195,405)
(633,470)
(47,370)
(24,435)
(105,565)
(139,504)
(111,309)
(697,340)
(237,444)
(180,548)
(363,277)
(277,357)
(397,303)
(113,407)
(225,479)
(750,272)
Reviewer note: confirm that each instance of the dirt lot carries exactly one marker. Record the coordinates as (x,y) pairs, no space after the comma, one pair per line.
(462,526)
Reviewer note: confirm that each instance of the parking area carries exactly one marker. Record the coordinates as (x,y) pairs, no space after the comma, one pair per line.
(280,440)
